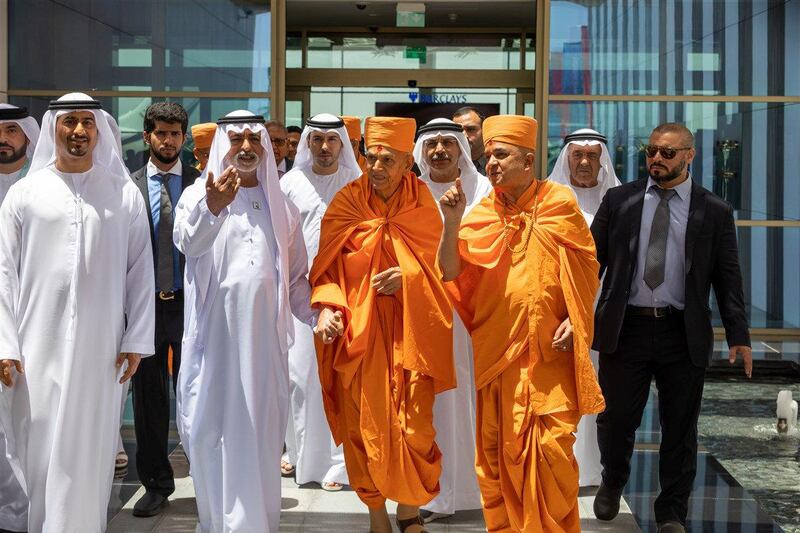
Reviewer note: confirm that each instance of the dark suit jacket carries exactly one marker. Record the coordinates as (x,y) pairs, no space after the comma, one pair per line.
(139,177)
(712,259)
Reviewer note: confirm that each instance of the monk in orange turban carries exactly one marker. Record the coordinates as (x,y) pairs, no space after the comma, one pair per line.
(353,125)
(524,270)
(376,267)
(202,135)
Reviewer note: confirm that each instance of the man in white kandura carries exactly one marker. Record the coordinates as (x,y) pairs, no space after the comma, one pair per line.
(18,135)
(443,155)
(585,165)
(324,164)
(76,305)
(245,276)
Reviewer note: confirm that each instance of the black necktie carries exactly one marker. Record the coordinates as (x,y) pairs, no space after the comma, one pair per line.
(657,247)
(164,273)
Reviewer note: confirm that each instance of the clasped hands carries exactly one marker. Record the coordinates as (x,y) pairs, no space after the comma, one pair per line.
(330,323)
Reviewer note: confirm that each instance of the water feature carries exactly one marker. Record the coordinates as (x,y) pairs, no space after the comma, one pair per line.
(738,426)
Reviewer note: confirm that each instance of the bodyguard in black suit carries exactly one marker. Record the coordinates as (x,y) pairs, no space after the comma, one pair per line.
(161,182)
(663,243)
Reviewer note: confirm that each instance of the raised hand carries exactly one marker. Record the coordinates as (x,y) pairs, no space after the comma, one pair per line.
(221,192)
(7,368)
(453,203)
(387,282)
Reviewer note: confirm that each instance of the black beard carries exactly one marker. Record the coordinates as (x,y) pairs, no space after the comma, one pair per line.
(15,156)
(677,171)
(165,160)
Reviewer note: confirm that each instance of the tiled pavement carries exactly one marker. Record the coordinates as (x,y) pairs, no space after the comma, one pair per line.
(718,502)
(309,509)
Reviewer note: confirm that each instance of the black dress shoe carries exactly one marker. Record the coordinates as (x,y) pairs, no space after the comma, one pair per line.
(671,526)
(150,504)
(606,502)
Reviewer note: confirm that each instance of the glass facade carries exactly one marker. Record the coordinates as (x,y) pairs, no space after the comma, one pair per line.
(727,69)
(218,50)
(668,47)
(609,59)
(102,45)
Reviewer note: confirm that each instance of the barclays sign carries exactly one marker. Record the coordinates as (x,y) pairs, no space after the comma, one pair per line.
(437,98)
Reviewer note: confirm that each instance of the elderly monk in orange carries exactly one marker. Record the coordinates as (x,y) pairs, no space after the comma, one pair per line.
(525,277)
(353,126)
(377,269)
(202,135)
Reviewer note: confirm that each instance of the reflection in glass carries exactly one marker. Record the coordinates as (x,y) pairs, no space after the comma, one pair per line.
(679,47)
(179,45)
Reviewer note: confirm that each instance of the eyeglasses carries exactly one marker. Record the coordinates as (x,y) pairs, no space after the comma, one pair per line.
(277,142)
(667,153)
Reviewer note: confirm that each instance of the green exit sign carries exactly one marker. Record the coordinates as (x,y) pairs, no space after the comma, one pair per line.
(417,52)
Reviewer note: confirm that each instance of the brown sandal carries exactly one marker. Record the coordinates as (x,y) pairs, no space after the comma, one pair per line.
(408,522)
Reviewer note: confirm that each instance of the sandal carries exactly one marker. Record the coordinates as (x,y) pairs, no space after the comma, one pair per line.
(331,486)
(121,462)
(287,469)
(408,522)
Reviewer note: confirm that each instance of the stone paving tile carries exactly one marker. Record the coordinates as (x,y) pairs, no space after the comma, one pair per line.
(309,509)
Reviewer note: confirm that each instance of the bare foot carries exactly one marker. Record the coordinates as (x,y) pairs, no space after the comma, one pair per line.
(287,469)
(379,521)
(331,486)
(408,512)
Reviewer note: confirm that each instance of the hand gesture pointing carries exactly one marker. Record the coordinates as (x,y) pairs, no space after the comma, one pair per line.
(453,203)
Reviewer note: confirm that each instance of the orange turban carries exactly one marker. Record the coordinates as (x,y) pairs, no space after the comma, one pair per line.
(203,134)
(513,129)
(393,132)
(353,125)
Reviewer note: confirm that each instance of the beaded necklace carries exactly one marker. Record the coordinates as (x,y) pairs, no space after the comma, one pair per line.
(528,218)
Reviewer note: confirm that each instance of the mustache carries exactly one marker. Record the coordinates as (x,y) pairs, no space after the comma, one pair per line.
(440,157)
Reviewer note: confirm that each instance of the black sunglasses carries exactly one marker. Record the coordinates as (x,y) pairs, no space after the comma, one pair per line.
(667,153)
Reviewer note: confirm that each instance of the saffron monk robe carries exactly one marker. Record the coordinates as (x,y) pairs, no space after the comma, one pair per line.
(377,266)
(522,261)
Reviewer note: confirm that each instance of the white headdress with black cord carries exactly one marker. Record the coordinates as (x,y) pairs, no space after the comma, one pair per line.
(589,198)
(106,154)
(324,123)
